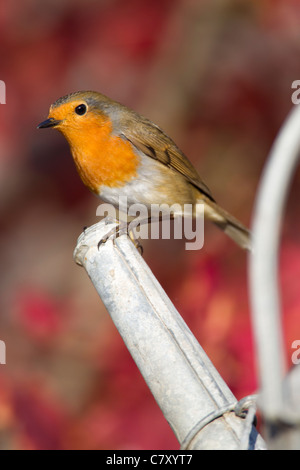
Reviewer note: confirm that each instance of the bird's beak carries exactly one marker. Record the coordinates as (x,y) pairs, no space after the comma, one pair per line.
(51,122)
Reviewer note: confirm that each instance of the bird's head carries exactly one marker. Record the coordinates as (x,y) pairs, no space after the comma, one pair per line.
(83,112)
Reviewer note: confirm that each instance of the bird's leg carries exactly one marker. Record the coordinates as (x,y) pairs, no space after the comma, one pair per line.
(136,242)
(121,229)
(128,228)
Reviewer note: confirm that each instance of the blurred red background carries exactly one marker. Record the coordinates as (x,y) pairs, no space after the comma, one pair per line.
(216,75)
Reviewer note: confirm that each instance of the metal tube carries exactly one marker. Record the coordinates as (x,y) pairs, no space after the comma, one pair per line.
(263,268)
(190,392)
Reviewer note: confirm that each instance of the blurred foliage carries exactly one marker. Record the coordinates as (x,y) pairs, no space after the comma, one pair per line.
(216,75)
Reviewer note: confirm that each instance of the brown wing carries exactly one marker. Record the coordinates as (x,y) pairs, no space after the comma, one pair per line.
(152,141)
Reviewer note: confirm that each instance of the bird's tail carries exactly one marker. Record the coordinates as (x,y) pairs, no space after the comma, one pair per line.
(229,224)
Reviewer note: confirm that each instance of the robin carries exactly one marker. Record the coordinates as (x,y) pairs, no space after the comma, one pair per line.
(119,153)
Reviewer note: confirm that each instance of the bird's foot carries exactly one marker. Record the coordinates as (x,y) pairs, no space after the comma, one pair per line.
(123,228)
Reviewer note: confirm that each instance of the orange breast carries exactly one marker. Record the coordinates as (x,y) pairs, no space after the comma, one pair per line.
(100,157)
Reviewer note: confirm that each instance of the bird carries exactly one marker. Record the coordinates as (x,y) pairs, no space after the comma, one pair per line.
(120,153)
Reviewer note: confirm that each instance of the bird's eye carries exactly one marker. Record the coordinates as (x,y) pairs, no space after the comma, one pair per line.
(80,109)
